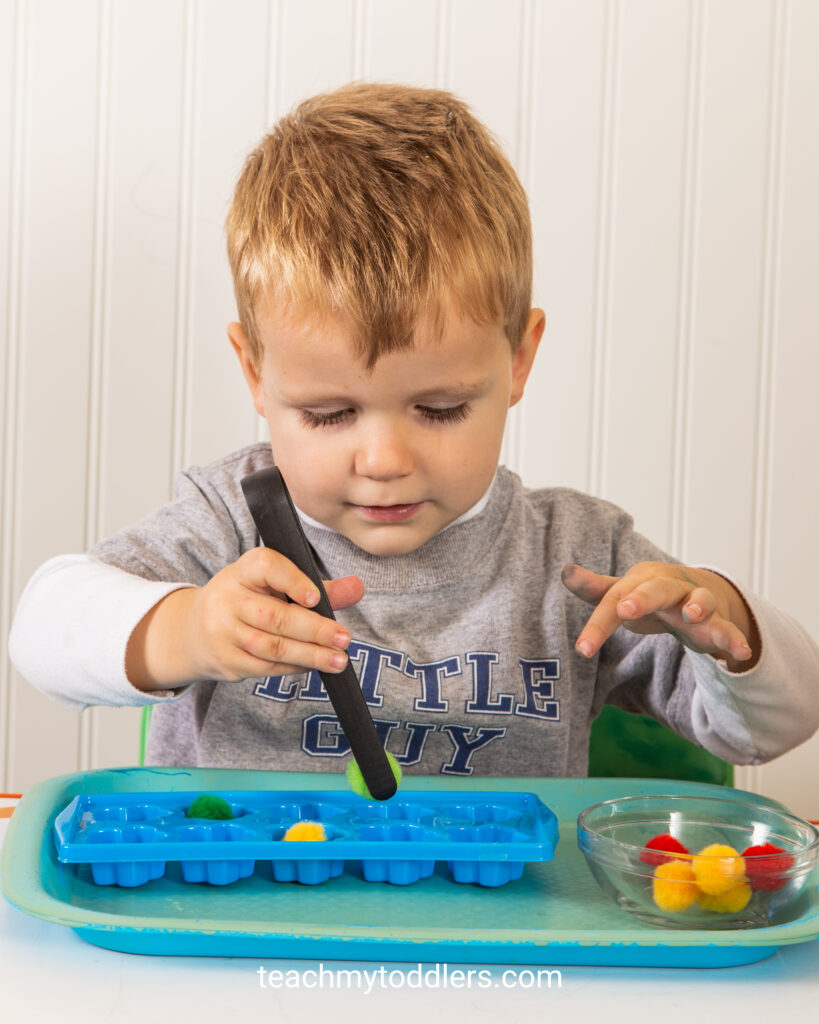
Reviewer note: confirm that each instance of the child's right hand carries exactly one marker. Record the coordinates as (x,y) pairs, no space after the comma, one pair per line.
(238,625)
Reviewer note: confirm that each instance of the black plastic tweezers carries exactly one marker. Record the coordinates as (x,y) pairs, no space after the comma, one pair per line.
(279,528)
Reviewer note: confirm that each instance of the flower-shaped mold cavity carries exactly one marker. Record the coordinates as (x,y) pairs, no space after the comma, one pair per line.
(394,810)
(220,871)
(285,812)
(480,814)
(308,872)
(237,810)
(397,872)
(130,812)
(125,873)
(304,868)
(319,811)
(376,813)
(277,833)
(489,873)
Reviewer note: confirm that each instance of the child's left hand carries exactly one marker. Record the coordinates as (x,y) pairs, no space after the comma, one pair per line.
(701,609)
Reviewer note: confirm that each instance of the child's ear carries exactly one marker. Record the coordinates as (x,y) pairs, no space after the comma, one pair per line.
(243,349)
(525,354)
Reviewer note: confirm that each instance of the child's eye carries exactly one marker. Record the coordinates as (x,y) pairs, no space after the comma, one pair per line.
(323,419)
(451,414)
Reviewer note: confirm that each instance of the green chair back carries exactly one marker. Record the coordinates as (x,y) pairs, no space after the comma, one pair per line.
(144,724)
(623,745)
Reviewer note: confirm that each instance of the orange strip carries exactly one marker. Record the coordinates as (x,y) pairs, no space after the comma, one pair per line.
(6,812)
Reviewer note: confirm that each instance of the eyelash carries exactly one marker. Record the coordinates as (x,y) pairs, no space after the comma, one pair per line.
(453,414)
(321,419)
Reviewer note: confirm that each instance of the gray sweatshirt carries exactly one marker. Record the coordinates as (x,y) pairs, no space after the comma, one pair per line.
(464,648)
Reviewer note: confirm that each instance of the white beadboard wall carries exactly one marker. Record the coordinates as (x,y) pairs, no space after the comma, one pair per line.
(671,154)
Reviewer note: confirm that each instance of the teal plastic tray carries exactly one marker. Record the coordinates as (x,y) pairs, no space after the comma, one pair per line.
(554,914)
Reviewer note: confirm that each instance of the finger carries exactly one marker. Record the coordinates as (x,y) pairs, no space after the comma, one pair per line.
(727,638)
(344,591)
(623,602)
(587,585)
(276,650)
(274,616)
(700,604)
(653,595)
(265,571)
(600,625)
(246,666)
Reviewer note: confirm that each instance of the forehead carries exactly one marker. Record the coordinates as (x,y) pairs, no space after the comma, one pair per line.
(299,348)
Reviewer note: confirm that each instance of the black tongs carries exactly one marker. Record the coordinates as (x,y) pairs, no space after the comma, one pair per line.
(278,524)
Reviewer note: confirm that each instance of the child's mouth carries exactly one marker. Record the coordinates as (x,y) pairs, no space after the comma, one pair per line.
(389,513)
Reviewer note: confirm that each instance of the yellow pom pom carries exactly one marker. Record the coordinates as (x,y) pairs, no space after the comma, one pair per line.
(673,886)
(730,902)
(305,831)
(718,868)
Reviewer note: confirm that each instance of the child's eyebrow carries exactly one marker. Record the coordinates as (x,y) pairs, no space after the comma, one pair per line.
(460,392)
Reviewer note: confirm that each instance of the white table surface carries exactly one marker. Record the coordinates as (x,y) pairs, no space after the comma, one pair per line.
(49,974)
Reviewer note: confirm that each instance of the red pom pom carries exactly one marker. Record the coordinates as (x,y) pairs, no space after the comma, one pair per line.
(665,842)
(765,865)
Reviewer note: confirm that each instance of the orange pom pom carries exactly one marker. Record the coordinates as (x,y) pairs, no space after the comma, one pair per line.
(730,902)
(305,831)
(718,868)
(673,886)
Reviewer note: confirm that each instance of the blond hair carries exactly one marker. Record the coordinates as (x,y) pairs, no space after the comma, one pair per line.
(382,204)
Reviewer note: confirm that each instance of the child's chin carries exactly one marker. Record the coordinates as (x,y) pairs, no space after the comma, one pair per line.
(389,540)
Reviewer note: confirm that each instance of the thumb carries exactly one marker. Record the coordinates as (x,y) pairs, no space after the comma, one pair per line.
(587,585)
(344,591)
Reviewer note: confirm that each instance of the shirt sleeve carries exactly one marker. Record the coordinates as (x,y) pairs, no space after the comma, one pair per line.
(72,627)
(77,613)
(752,717)
(743,717)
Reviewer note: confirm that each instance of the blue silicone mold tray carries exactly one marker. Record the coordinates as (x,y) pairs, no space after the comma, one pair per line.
(484,838)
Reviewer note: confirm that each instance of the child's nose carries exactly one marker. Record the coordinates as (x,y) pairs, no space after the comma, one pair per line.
(383,454)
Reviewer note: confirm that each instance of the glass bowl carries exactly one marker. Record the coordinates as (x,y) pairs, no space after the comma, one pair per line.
(705,882)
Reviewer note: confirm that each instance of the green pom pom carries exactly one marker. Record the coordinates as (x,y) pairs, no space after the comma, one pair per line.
(209,806)
(356,781)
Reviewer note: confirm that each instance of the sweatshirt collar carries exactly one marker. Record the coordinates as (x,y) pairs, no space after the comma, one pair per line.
(447,556)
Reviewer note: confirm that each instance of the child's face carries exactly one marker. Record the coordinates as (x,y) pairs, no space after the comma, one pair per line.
(391,455)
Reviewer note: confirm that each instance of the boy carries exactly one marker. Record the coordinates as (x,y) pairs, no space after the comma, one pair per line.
(381,256)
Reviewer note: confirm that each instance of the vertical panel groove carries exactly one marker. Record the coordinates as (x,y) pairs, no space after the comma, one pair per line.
(362,12)
(100,258)
(443,44)
(183,361)
(686,317)
(274,93)
(531,29)
(768,342)
(604,269)
(273,62)
(515,438)
(751,777)
(12,369)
